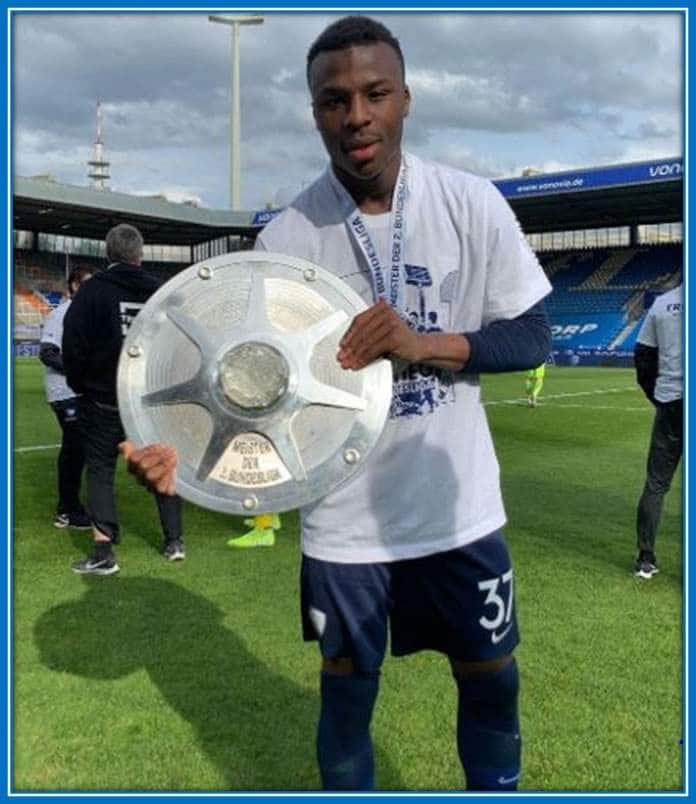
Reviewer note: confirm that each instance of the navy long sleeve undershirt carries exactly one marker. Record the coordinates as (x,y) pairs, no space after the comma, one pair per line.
(511,344)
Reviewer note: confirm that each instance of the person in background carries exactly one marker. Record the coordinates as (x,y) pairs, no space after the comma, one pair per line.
(534,383)
(70,513)
(659,372)
(412,545)
(261,533)
(93,332)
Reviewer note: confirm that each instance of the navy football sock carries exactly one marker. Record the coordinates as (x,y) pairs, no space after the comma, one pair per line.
(488,737)
(344,747)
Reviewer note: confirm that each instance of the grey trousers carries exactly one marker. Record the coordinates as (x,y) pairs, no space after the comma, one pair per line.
(666,444)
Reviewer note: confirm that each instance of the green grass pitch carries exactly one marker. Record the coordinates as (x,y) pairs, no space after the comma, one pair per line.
(193,676)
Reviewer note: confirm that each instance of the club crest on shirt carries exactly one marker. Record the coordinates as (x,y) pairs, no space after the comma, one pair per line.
(420,389)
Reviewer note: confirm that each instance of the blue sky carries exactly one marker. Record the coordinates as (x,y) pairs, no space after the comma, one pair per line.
(493,93)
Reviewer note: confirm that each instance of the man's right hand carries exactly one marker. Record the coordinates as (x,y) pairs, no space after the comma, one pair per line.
(154,466)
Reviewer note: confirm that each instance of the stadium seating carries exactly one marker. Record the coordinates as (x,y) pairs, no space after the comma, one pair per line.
(39,285)
(39,271)
(53,297)
(591,301)
(598,295)
(597,300)
(29,311)
(649,266)
(571,268)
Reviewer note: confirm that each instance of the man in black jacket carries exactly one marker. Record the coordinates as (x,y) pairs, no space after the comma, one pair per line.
(93,332)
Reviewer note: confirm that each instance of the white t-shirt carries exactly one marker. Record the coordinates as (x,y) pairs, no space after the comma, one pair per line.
(432,481)
(662,329)
(52,332)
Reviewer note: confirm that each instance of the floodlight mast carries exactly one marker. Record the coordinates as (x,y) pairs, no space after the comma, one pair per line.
(234,21)
(99,165)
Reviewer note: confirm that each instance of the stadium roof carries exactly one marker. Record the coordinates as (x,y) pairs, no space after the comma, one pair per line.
(43,205)
(617,195)
(620,195)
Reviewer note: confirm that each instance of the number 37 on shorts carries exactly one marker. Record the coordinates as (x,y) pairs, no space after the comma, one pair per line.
(497,605)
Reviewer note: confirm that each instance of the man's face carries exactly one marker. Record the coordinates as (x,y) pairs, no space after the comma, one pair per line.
(360,101)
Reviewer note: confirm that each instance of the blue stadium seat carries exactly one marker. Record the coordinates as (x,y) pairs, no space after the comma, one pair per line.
(649,265)
(594,318)
(53,297)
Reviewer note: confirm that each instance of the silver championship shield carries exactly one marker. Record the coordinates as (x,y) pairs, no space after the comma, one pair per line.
(233,362)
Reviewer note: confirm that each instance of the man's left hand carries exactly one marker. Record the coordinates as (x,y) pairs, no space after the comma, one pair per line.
(378,332)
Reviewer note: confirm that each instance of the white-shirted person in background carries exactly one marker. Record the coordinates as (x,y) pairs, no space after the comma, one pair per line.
(70,513)
(412,543)
(659,371)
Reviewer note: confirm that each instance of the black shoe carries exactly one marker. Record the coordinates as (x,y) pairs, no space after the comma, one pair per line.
(646,566)
(174,550)
(99,563)
(76,519)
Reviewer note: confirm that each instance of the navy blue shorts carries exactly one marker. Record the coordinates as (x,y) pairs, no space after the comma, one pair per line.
(460,602)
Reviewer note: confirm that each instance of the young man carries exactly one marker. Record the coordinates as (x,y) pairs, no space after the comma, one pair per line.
(93,332)
(413,541)
(70,512)
(534,383)
(659,372)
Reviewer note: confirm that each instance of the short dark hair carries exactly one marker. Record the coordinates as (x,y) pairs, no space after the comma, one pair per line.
(77,276)
(124,243)
(353,30)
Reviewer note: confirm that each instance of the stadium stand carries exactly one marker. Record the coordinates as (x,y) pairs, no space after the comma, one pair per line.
(29,311)
(39,283)
(39,277)
(649,266)
(600,291)
(599,296)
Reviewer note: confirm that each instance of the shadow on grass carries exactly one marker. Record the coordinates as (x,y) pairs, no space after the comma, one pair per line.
(256,726)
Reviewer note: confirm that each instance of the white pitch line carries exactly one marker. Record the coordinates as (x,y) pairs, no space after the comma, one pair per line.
(595,407)
(37,448)
(563,396)
(519,401)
